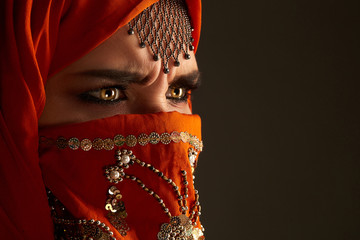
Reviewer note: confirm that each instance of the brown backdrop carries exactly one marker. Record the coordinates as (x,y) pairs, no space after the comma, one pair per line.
(279,104)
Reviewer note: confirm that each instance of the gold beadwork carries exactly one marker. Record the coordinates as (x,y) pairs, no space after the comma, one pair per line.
(98,144)
(108,144)
(192,154)
(116,210)
(184,136)
(179,227)
(131,140)
(154,138)
(74,143)
(175,137)
(119,140)
(67,227)
(165,138)
(143,139)
(86,144)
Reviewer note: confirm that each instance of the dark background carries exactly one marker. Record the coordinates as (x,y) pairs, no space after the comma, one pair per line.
(279,104)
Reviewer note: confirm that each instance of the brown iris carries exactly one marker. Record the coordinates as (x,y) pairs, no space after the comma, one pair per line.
(177,92)
(109,94)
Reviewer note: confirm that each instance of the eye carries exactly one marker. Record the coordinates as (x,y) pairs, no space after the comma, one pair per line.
(176,93)
(106,95)
(109,94)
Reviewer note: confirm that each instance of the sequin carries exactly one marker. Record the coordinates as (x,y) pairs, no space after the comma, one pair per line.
(67,227)
(143,139)
(61,143)
(165,138)
(108,144)
(184,136)
(179,228)
(131,140)
(201,146)
(98,144)
(197,234)
(74,143)
(192,157)
(86,144)
(116,211)
(154,138)
(175,137)
(119,140)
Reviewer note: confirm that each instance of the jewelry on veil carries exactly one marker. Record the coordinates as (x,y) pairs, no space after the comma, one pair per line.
(165,28)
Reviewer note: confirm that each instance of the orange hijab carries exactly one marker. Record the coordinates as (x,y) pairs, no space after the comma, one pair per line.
(38,39)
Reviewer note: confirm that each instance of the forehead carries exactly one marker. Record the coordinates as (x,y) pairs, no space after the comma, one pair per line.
(122,51)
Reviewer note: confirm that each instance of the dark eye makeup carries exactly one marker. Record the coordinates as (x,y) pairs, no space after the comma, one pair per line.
(111,95)
(106,95)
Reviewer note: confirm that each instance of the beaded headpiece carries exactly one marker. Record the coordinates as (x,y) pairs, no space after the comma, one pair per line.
(165,28)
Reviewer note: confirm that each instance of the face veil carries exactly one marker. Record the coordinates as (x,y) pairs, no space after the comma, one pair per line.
(39,39)
(127,176)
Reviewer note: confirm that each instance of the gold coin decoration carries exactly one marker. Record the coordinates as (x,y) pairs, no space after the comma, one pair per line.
(154,138)
(119,140)
(184,136)
(98,144)
(175,137)
(143,139)
(165,138)
(131,140)
(108,144)
(86,144)
(74,143)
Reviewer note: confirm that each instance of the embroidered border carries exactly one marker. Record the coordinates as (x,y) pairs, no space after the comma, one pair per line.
(120,140)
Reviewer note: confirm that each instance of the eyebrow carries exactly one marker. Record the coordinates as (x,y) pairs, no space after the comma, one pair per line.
(191,80)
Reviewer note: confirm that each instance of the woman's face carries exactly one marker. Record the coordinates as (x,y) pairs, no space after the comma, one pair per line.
(118,77)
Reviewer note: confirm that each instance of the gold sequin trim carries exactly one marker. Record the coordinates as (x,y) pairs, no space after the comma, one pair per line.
(86,144)
(98,144)
(165,138)
(108,144)
(154,138)
(119,140)
(143,139)
(130,140)
(74,143)
(175,137)
(69,228)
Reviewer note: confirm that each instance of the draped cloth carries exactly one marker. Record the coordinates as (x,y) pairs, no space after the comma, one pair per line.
(38,39)
(76,176)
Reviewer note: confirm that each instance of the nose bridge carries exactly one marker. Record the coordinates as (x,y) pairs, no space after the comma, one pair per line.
(152,98)
(149,108)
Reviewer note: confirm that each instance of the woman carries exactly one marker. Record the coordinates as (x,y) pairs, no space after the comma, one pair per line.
(108,83)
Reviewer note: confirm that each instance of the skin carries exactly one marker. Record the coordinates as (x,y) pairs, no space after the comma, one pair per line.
(119,64)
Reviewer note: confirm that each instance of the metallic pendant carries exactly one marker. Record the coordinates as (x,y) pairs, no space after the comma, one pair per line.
(179,227)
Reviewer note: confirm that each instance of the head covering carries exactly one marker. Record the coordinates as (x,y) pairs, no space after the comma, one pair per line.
(38,39)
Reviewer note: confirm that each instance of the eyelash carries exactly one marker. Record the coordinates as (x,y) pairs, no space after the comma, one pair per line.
(183,98)
(87,97)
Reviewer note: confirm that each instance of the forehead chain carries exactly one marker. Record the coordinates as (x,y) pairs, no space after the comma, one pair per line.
(165,28)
